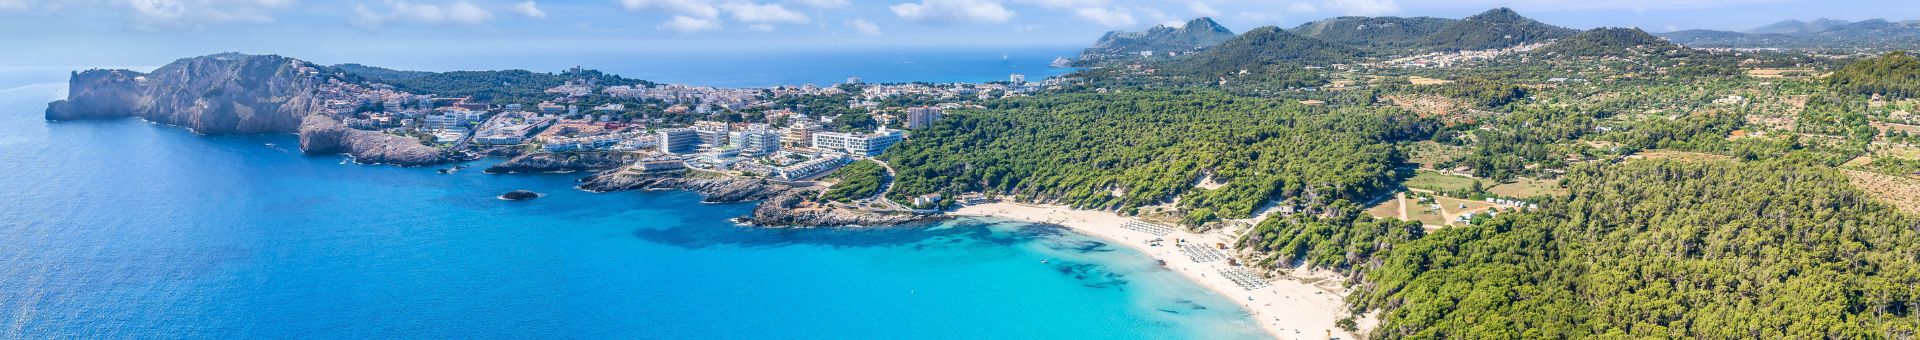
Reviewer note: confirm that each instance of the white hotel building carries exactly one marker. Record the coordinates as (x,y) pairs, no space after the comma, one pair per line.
(860,145)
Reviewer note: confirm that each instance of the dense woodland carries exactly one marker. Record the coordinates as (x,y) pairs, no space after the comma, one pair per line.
(1895,75)
(1656,249)
(1124,151)
(1741,221)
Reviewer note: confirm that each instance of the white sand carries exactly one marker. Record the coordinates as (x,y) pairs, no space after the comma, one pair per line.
(1286,309)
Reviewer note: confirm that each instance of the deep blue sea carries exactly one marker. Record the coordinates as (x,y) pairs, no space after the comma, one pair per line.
(125,229)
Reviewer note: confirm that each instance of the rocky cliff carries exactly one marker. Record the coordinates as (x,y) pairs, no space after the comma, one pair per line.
(320,134)
(562,162)
(222,93)
(234,93)
(1160,40)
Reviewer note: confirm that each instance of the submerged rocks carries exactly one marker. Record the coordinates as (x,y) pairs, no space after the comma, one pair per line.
(518,195)
(562,162)
(323,135)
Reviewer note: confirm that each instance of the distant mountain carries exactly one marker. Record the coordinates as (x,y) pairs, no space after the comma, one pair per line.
(1819,34)
(1496,28)
(1798,27)
(1159,40)
(1379,33)
(1609,42)
(1266,46)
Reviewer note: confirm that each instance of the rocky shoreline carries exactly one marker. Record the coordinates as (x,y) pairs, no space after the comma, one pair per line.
(781,205)
(322,135)
(233,93)
(562,162)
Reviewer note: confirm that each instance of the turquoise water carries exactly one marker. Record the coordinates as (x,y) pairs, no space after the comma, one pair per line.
(124,229)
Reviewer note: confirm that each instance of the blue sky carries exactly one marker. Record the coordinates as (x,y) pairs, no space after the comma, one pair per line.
(140,31)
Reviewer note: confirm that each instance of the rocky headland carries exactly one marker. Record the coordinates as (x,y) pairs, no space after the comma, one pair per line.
(233,93)
(782,205)
(562,162)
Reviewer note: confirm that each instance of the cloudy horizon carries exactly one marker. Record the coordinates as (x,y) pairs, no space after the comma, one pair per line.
(142,31)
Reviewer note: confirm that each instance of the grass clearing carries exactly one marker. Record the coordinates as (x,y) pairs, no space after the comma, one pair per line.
(1429,153)
(1901,192)
(1436,181)
(1528,187)
(1685,156)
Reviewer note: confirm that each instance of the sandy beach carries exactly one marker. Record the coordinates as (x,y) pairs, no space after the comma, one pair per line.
(1287,309)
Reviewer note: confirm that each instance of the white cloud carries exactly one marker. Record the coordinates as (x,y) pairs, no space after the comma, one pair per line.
(825,3)
(1302,7)
(1202,9)
(684,24)
(695,9)
(1105,17)
(863,26)
(764,14)
(454,13)
(529,9)
(1064,4)
(1364,7)
(949,11)
(153,14)
(13,5)
(1256,18)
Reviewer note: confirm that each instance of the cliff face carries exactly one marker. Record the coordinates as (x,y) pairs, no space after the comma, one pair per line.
(1199,33)
(99,94)
(234,93)
(222,93)
(320,134)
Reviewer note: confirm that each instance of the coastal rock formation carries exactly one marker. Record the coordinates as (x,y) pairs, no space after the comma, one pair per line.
(222,93)
(235,93)
(519,195)
(1159,40)
(320,134)
(791,208)
(782,206)
(562,162)
(714,189)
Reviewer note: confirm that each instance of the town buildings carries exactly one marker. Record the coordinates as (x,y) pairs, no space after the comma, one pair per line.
(867,145)
(679,141)
(922,117)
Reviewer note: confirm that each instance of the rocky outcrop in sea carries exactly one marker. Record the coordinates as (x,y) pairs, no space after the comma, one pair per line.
(563,162)
(232,93)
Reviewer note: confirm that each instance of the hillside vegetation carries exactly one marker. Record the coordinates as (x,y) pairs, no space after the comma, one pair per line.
(1659,249)
(1127,150)
(1896,74)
